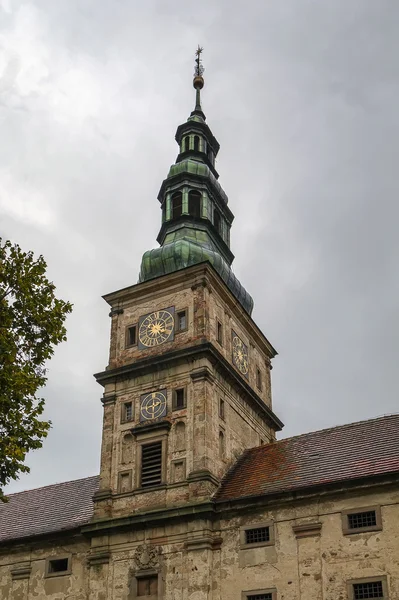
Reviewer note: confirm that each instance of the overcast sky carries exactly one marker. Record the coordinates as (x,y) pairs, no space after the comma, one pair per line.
(303,98)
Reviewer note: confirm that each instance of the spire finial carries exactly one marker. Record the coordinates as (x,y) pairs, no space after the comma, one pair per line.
(198,82)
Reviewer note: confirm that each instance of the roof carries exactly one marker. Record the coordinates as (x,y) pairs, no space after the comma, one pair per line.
(344,453)
(50,509)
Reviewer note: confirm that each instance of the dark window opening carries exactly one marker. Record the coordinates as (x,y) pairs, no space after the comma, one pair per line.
(151,464)
(182,320)
(194,204)
(259,535)
(221,408)
(258,379)
(147,586)
(371,589)
(132,335)
(222,446)
(58,565)
(209,155)
(362,519)
(196,143)
(186,144)
(219,333)
(217,220)
(179,399)
(177,205)
(260,597)
(127,414)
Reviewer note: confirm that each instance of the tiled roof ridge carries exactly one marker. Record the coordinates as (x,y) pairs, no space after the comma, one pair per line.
(52,485)
(327,429)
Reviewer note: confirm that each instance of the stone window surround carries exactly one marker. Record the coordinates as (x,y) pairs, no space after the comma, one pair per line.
(176,461)
(121,474)
(149,437)
(177,312)
(127,345)
(143,574)
(247,594)
(180,387)
(245,546)
(68,571)
(123,412)
(345,524)
(382,578)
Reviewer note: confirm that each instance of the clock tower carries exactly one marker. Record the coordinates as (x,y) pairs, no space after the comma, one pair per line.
(187,388)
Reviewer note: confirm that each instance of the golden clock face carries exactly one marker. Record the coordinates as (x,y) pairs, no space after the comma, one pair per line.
(153,405)
(240,354)
(156,328)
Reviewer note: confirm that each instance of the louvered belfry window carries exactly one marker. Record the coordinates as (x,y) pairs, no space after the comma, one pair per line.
(151,464)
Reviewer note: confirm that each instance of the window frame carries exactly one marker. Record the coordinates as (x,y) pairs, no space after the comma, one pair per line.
(245,528)
(177,313)
(219,329)
(247,594)
(127,335)
(123,412)
(143,575)
(50,559)
(144,442)
(222,409)
(128,474)
(259,379)
(351,531)
(382,578)
(174,398)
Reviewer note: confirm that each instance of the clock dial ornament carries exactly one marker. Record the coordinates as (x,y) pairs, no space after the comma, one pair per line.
(156,328)
(153,405)
(240,355)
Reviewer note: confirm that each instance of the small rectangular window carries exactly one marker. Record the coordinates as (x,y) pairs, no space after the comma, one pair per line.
(131,335)
(371,589)
(127,412)
(260,595)
(267,596)
(221,408)
(258,535)
(181,320)
(360,520)
(179,399)
(58,566)
(258,379)
(151,464)
(219,333)
(147,586)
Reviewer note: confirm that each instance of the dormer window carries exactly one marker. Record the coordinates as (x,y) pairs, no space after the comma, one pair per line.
(196,143)
(177,205)
(186,145)
(194,204)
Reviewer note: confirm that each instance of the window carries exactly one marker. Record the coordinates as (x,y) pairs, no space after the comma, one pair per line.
(196,143)
(219,333)
(58,566)
(261,534)
(221,408)
(177,205)
(147,587)
(151,464)
(131,335)
(258,379)
(217,220)
(127,412)
(222,445)
(260,595)
(186,144)
(194,204)
(179,399)
(181,320)
(371,587)
(359,520)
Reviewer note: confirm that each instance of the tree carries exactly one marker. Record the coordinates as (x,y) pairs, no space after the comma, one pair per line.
(31,325)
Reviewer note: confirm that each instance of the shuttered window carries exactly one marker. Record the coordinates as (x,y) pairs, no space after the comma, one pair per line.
(151,464)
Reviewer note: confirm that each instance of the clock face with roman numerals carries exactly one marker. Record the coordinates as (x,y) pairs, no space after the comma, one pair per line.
(240,354)
(156,328)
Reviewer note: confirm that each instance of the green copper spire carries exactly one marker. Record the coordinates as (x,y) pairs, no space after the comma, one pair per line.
(196,219)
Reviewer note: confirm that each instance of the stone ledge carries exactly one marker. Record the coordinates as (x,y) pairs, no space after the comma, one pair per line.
(152,426)
(307,530)
(98,558)
(21,572)
(203,475)
(204,543)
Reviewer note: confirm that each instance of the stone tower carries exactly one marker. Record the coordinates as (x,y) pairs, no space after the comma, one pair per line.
(187,387)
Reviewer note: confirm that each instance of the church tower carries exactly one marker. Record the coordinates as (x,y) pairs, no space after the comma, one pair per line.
(187,388)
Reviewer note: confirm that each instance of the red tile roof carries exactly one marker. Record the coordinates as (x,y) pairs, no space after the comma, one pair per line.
(343,453)
(50,509)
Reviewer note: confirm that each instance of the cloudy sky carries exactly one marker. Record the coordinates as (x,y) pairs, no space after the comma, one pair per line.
(303,97)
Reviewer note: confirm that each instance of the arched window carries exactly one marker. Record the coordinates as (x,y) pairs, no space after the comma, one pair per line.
(177,205)
(180,432)
(196,143)
(209,154)
(222,445)
(194,204)
(127,447)
(217,220)
(186,146)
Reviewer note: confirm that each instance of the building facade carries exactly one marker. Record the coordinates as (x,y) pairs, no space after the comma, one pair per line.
(196,500)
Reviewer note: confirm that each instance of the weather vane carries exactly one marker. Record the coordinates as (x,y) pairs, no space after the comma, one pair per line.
(199,69)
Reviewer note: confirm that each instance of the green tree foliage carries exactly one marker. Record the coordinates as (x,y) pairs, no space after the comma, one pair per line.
(31,325)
